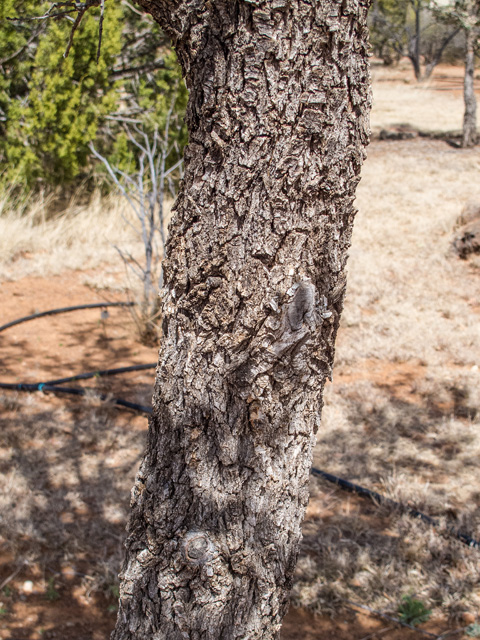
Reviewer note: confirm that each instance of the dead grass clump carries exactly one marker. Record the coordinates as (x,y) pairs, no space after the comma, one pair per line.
(470,212)
(82,236)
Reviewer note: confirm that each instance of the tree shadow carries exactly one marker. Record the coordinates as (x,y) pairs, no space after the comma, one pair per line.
(68,468)
(416,450)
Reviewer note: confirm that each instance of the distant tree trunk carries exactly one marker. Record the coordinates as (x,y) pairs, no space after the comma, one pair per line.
(254,282)
(469,138)
(414,42)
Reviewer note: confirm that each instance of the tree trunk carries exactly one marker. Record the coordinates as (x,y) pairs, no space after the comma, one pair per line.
(469,138)
(416,65)
(253,290)
(414,43)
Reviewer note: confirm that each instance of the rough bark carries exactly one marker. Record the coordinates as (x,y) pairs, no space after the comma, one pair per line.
(254,283)
(469,137)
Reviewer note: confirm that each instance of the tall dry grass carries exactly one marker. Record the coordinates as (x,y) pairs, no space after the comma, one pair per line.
(434,106)
(80,237)
(36,241)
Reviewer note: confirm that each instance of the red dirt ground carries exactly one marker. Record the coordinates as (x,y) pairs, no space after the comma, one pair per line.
(80,341)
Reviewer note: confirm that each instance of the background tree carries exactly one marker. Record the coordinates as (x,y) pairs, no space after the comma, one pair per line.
(464,15)
(253,288)
(49,133)
(472,30)
(17,50)
(413,29)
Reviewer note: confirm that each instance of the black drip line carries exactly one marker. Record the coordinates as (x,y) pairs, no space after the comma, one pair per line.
(53,386)
(346,485)
(53,312)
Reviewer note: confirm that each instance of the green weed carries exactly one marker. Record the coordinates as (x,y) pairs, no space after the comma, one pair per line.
(413,611)
(51,593)
(473,630)
(114,590)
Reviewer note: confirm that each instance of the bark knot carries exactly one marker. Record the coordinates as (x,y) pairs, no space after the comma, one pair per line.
(301,306)
(198,548)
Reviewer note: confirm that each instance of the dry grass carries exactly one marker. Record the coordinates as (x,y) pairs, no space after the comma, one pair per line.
(434,106)
(80,237)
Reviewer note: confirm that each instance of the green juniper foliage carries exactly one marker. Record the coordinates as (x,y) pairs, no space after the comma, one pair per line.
(48,134)
(16,56)
(52,107)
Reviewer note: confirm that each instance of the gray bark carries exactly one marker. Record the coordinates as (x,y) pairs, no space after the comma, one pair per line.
(253,289)
(469,138)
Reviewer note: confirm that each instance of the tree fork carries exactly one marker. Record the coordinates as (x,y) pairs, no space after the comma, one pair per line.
(253,290)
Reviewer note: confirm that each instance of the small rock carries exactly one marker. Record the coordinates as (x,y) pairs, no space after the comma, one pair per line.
(469,618)
(467,239)
(27,586)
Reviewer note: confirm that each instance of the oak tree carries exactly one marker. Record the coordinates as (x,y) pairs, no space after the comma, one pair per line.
(254,280)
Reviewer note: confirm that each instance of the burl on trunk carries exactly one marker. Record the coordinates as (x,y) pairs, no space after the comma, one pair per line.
(254,283)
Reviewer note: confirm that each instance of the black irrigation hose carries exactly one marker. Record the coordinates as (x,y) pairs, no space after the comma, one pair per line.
(356,488)
(102,396)
(52,312)
(52,386)
(103,372)
(75,391)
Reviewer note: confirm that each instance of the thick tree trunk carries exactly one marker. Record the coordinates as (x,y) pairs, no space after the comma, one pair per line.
(469,138)
(254,282)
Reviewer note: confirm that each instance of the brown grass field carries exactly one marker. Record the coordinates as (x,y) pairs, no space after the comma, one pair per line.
(401,417)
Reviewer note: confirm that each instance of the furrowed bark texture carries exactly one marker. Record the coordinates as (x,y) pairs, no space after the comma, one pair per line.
(254,283)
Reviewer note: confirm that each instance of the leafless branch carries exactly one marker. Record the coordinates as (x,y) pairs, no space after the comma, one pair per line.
(67,8)
(113,176)
(144,190)
(75,26)
(132,71)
